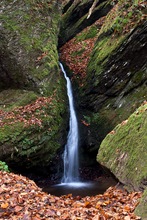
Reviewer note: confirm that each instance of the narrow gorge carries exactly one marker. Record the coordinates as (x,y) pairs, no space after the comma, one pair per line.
(102,46)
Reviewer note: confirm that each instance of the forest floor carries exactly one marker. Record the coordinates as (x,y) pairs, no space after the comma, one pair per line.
(21,198)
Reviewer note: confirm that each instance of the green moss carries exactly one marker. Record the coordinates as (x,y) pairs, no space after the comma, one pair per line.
(10,133)
(34,28)
(107,45)
(33,140)
(35,145)
(70,29)
(141,208)
(9,99)
(102,50)
(87,33)
(31,29)
(113,32)
(123,150)
(77,53)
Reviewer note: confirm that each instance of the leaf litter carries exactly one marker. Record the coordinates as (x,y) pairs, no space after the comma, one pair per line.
(21,198)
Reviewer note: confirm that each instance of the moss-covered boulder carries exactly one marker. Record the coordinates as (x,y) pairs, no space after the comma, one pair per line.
(124,150)
(32,89)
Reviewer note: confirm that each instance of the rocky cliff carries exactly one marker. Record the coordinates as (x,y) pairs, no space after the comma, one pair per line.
(32,89)
(111,73)
(108,60)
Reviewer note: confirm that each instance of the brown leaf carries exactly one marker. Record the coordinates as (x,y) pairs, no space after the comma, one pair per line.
(18,208)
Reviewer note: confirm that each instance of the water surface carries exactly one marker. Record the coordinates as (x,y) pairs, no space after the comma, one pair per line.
(82,189)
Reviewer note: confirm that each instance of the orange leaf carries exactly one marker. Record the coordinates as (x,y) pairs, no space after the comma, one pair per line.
(4,205)
(87,204)
(127,208)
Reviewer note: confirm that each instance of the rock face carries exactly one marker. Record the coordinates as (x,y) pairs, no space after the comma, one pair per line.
(75,15)
(33,94)
(29,35)
(124,152)
(115,84)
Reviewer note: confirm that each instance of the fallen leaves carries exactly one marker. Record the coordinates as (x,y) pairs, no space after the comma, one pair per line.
(29,114)
(20,198)
(76,54)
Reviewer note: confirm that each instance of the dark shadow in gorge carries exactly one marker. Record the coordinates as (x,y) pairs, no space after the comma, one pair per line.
(75,20)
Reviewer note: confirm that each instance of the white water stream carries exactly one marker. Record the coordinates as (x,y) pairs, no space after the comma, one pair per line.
(71,183)
(70,157)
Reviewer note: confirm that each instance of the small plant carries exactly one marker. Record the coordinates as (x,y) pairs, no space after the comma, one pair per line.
(119,24)
(4,166)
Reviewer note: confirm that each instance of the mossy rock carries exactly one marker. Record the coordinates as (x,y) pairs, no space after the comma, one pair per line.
(124,151)
(29,38)
(32,130)
(141,209)
(29,73)
(115,84)
(11,98)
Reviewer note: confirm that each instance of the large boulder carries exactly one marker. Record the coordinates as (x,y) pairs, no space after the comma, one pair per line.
(124,153)
(32,89)
(124,150)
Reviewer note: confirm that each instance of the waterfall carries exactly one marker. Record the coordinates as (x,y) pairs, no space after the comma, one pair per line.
(70,156)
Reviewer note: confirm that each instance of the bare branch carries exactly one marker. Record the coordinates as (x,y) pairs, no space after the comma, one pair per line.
(92,8)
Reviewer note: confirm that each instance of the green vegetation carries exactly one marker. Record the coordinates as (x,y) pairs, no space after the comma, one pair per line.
(117,26)
(33,129)
(4,166)
(87,33)
(77,53)
(103,49)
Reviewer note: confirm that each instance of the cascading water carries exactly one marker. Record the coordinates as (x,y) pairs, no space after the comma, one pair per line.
(70,157)
(71,183)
